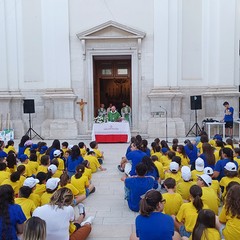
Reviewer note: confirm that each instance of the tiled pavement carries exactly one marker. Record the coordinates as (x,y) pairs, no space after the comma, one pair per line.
(113,219)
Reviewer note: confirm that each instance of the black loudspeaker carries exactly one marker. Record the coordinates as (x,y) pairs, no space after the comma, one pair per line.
(196,102)
(28,106)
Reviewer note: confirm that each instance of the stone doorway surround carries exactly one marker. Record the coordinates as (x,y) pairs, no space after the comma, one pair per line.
(112,39)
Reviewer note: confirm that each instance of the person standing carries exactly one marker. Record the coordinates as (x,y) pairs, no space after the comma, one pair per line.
(114,115)
(102,112)
(228,119)
(126,112)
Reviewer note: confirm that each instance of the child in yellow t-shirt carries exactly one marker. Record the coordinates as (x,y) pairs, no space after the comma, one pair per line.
(167,159)
(99,154)
(173,199)
(65,182)
(183,188)
(41,186)
(215,183)
(58,155)
(24,161)
(64,147)
(82,148)
(31,183)
(93,161)
(21,169)
(237,158)
(231,175)
(14,182)
(174,172)
(230,214)
(199,167)
(42,151)
(206,226)
(159,166)
(53,170)
(87,170)
(182,154)
(80,182)
(45,162)
(9,147)
(32,163)
(25,202)
(3,173)
(51,187)
(157,153)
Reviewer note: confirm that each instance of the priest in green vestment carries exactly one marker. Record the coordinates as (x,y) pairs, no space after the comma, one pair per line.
(113,115)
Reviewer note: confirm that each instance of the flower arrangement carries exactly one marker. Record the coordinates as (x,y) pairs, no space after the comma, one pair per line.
(100,119)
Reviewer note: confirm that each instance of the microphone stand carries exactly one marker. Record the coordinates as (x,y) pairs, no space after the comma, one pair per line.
(166,123)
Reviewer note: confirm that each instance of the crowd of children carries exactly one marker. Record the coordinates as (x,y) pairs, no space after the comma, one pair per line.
(196,183)
(37,177)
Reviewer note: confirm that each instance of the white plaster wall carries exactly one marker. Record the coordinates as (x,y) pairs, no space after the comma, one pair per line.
(32,44)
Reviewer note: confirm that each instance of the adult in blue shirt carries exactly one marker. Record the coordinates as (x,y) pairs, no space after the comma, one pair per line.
(134,157)
(191,151)
(21,147)
(152,224)
(12,217)
(227,156)
(138,185)
(228,119)
(73,161)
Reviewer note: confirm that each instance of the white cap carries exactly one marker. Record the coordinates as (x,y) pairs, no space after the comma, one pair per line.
(174,166)
(52,168)
(186,173)
(206,178)
(208,171)
(231,167)
(57,153)
(30,182)
(199,164)
(52,183)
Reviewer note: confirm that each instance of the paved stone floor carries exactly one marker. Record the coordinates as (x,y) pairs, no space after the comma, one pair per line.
(113,219)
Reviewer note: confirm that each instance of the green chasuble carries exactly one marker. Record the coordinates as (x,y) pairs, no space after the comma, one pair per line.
(113,116)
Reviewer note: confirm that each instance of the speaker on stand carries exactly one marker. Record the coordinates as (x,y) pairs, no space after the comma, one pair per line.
(29,107)
(196,104)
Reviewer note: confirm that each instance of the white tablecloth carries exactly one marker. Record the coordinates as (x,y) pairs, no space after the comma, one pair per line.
(111,128)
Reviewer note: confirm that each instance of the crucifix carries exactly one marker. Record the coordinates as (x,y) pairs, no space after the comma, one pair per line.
(81,104)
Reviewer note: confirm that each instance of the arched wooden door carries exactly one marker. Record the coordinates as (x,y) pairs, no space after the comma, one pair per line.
(112,81)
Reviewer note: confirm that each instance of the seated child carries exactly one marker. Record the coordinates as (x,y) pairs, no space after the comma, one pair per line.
(199,166)
(136,186)
(99,154)
(23,200)
(31,183)
(173,200)
(93,161)
(51,187)
(3,173)
(41,186)
(174,172)
(183,188)
(231,175)
(45,162)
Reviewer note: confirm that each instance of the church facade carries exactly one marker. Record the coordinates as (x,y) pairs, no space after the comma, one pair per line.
(72,55)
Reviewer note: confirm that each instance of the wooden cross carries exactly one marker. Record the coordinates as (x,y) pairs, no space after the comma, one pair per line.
(81,104)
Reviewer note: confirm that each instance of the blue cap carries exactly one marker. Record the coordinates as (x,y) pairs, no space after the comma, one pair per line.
(164,150)
(3,154)
(23,157)
(218,137)
(34,146)
(43,149)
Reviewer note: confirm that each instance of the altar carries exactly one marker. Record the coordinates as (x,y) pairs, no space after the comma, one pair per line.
(111,132)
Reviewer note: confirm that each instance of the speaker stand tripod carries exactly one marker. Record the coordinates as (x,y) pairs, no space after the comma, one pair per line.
(30,129)
(196,126)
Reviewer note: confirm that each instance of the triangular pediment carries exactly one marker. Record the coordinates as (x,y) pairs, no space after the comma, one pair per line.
(110,30)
